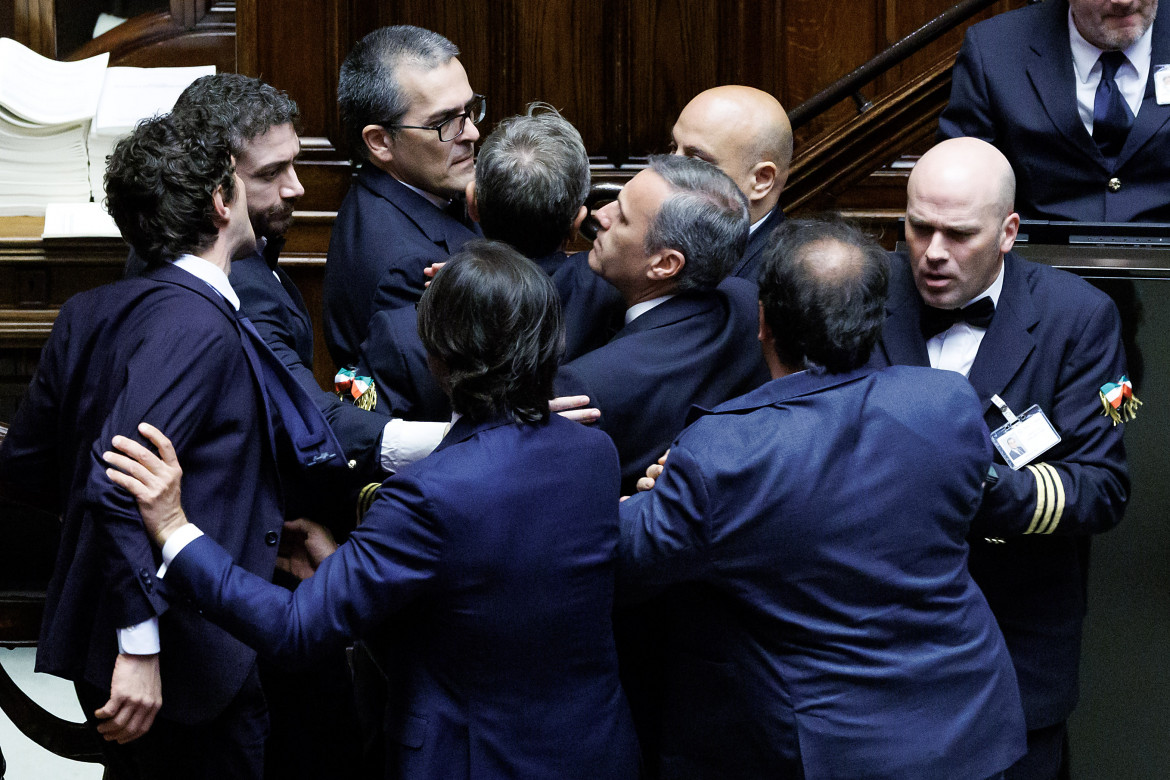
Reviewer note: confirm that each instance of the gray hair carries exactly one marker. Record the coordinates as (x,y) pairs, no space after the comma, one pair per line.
(368,92)
(706,219)
(531,178)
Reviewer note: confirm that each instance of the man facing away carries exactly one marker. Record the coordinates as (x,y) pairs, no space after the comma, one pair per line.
(808,545)
(167,347)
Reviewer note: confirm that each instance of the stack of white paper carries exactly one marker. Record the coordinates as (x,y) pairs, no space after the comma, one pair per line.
(45,110)
(59,121)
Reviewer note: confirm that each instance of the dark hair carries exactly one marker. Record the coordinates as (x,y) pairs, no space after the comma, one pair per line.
(531,178)
(706,219)
(823,287)
(244,107)
(368,92)
(160,181)
(494,320)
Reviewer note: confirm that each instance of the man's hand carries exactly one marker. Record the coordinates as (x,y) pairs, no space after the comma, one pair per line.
(151,479)
(303,545)
(135,697)
(647,482)
(430,272)
(570,407)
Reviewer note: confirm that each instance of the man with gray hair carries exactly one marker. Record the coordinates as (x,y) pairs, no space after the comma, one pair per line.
(666,245)
(410,117)
(531,179)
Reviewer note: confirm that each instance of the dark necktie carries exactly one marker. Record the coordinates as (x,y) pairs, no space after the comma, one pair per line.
(1111,115)
(978,314)
(290,408)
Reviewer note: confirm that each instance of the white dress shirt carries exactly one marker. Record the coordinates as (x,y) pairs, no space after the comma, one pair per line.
(956,347)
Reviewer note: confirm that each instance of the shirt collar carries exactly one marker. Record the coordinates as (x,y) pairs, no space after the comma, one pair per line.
(638,309)
(439,203)
(210,274)
(993,291)
(1085,54)
(755,225)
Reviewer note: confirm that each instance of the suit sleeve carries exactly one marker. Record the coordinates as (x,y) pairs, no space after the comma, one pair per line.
(1081,485)
(663,531)
(388,561)
(394,357)
(969,111)
(171,379)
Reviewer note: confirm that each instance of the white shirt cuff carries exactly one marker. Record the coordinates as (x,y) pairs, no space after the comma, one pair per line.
(175,544)
(140,639)
(405,441)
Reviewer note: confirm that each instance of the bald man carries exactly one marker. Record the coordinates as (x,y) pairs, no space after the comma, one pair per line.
(1025,336)
(746,133)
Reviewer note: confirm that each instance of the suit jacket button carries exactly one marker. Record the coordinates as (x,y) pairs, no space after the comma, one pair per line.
(144,574)
(271,538)
(1114,184)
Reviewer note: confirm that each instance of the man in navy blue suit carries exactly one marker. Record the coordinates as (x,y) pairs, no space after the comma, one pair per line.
(1067,91)
(169,348)
(808,542)
(666,245)
(746,134)
(486,569)
(531,180)
(1024,335)
(410,118)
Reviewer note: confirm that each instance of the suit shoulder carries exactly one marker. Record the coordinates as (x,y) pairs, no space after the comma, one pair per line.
(1057,288)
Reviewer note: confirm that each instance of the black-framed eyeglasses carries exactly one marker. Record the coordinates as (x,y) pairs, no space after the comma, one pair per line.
(450,129)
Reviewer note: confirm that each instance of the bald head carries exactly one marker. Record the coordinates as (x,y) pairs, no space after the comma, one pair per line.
(970,167)
(959,220)
(744,132)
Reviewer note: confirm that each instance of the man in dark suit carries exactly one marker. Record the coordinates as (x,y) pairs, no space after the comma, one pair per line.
(1066,90)
(167,348)
(531,180)
(487,568)
(410,117)
(1027,335)
(809,542)
(746,134)
(666,245)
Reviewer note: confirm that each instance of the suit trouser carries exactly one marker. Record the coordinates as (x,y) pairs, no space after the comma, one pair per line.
(229,747)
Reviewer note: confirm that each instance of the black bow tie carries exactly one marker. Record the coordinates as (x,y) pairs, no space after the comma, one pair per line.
(978,314)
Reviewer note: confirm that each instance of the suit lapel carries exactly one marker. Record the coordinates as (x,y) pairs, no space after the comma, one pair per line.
(443,230)
(1152,117)
(1008,340)
(759,239)
(1052,75)
(902,340)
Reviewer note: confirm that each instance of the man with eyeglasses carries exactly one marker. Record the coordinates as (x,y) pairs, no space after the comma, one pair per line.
(410,117)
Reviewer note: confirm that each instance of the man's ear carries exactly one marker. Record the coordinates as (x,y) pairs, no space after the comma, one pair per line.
(1011,228)
(667,264)
(763,179)
(378,142)
(472,206)
(221,210)
(765,335)
(582,213)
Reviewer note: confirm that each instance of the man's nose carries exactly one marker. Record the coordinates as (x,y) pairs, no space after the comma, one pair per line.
(292,187)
